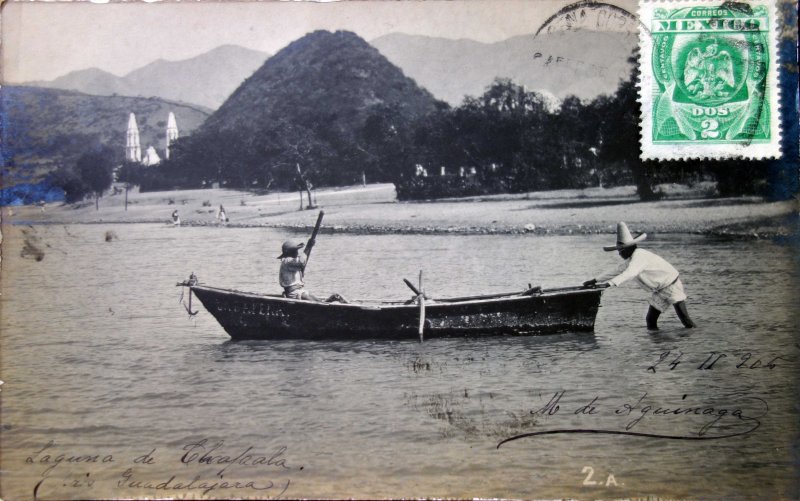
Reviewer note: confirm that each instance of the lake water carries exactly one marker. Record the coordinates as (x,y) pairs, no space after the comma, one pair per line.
(99,357)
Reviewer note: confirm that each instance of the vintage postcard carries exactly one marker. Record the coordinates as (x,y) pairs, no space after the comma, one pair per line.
(457,249)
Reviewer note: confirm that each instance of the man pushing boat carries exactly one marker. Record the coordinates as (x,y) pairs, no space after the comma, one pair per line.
(651,272)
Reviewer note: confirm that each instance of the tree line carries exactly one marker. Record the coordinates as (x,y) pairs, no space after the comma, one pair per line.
(511,138)
(508,140)
(91,175)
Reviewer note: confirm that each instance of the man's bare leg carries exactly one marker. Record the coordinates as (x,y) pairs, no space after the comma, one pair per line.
(683,314)
(652,318)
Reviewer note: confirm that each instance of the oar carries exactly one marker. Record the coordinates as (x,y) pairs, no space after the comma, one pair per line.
(421,298)
(313,239)
(576,288)
(411,286)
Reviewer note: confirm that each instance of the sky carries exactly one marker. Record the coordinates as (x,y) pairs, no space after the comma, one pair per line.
(45,40)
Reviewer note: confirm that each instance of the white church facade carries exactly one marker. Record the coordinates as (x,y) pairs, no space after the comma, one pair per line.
(133,148)
(133,152)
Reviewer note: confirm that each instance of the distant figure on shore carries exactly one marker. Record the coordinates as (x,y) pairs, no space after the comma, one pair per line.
(652,273)
(221,216)
(176,219)
(293,265)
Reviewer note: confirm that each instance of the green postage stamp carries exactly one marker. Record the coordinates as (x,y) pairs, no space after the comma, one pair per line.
(709,80)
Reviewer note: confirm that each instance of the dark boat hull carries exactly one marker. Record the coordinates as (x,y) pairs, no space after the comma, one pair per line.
(255,316)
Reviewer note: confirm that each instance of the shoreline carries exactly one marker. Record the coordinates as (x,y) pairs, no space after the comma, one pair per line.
(777,227)
(374,210)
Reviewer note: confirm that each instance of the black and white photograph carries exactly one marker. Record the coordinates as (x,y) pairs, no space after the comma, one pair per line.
(412,249)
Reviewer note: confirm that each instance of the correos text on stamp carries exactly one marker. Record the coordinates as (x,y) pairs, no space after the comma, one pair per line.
(709,80)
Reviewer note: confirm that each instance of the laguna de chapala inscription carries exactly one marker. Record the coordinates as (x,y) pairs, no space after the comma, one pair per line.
(198,468)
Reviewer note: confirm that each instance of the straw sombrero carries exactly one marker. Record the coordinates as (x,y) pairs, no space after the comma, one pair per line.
(624,238)
(289,246)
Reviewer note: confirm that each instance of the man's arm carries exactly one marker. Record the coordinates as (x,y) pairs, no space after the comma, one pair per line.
(628,270)
(295,263)
(625,271)
(609,274)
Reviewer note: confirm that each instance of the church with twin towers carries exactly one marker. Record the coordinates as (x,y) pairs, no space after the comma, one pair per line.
(133,149)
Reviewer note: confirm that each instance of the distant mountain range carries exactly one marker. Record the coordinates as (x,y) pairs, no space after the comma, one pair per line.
(583,63)
(324,86)
(46,128)
(205,80)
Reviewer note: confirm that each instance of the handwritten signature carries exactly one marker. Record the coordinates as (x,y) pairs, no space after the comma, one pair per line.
(642,409)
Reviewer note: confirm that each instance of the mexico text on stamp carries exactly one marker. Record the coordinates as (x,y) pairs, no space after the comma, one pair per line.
(709,80)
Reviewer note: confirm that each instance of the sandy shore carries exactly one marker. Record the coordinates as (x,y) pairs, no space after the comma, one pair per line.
(374,209)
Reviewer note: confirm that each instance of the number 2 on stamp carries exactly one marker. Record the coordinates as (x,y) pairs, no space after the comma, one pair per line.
(710,129)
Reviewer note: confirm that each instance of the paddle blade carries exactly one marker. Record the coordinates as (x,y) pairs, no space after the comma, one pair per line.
(411,286)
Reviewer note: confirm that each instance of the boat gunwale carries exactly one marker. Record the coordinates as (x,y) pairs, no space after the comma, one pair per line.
(387,305)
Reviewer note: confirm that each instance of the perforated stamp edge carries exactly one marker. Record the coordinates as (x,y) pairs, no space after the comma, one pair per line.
(697,150)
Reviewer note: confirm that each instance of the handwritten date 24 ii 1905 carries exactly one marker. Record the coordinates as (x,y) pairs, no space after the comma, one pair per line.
(671,360)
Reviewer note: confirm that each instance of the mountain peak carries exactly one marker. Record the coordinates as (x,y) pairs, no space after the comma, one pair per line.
(317,35)
(322,70)
(318,92)
(325,41)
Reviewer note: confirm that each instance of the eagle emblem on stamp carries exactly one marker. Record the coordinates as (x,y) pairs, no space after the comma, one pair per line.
(709,80)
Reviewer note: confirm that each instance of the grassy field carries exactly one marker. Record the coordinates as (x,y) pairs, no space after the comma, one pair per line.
(374,209)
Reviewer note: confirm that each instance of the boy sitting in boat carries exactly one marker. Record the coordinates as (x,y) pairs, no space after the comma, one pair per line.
(293,265)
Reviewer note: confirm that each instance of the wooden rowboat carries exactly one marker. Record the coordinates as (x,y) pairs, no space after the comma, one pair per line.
(258,316)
